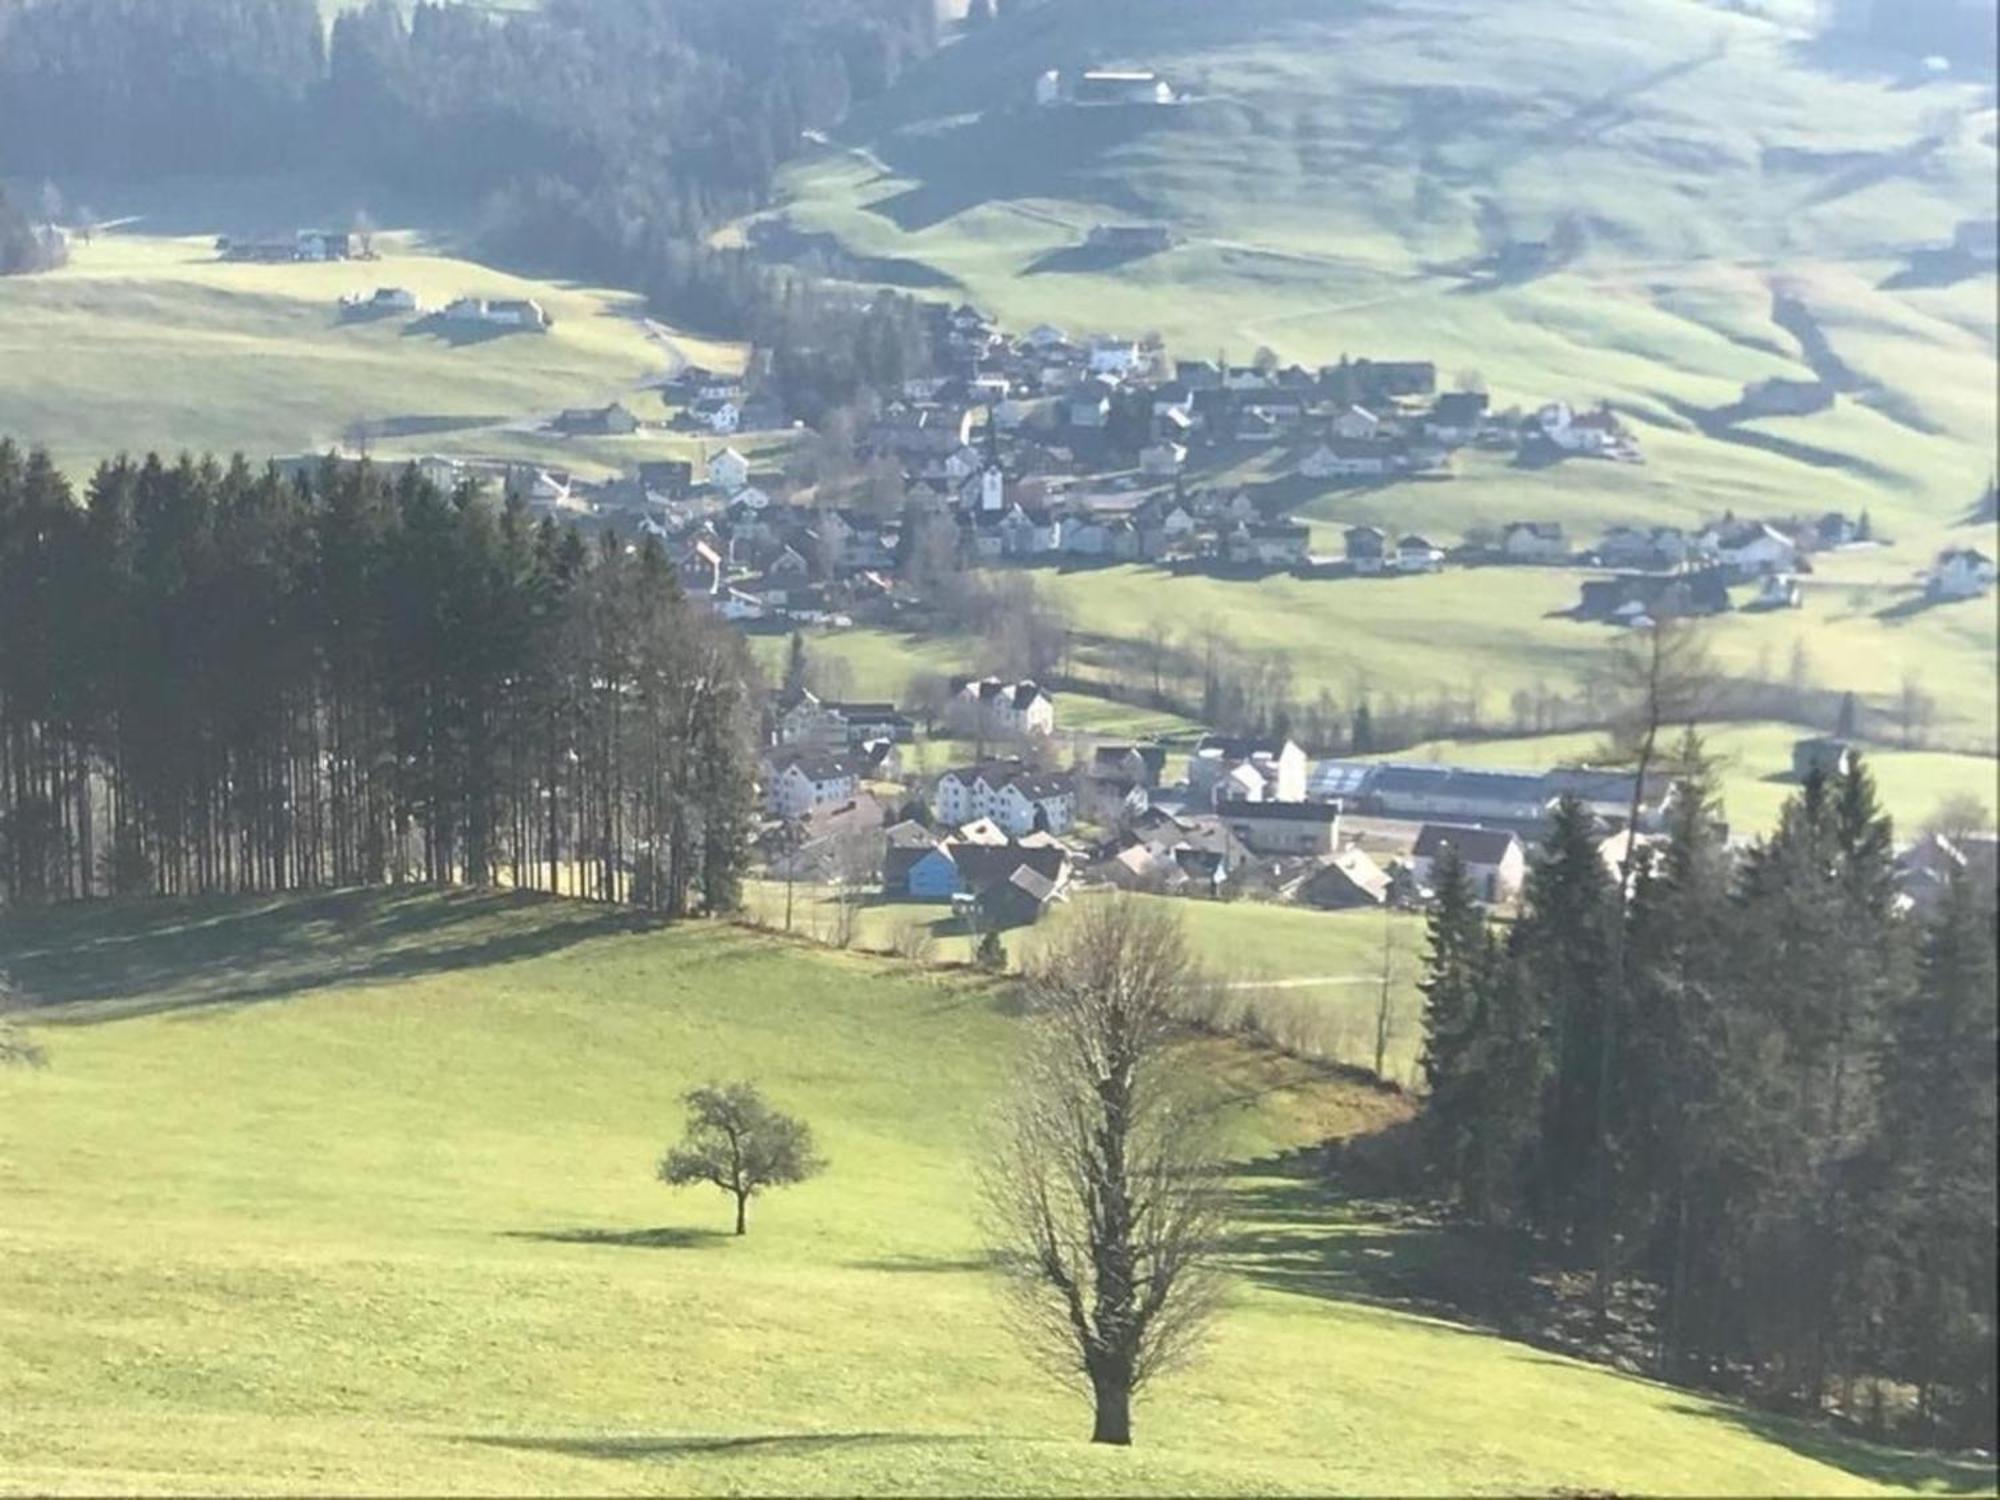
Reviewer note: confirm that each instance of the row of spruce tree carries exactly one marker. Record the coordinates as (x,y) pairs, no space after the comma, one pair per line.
(219,679)
(1750,1082)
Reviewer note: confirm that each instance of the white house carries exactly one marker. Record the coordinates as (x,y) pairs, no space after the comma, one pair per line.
(1961,573)
(1357,422)
(1009,707)
(1280,762)
(1493,859)
(1754,547)
(1352,458)
(1598,432)
(722,417)
(729,471)
(796,784)
(1016,798)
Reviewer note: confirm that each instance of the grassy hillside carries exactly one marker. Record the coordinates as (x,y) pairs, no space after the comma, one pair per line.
(1338,175)
(1338,169)
(354,1194)
(148,341)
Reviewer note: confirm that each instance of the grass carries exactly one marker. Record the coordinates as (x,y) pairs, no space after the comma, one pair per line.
(148,341)
(1310,979)
(1481,635)
(353,1193)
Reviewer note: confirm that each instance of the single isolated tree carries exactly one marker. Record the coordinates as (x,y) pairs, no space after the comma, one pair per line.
(737,1142)
(1103,1194)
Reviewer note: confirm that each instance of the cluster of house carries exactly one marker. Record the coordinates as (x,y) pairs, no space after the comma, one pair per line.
(720,404)
(489,312)
(300,245)
(1005,836)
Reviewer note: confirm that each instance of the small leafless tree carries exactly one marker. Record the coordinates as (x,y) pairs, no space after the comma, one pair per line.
(1103,1195)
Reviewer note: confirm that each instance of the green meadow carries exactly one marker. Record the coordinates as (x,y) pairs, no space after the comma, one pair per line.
(353,1193)
(148,341)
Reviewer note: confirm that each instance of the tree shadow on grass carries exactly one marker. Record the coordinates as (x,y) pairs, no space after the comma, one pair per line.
(926,1264)
(691,1445)
(666,1237)
(1933,1472)
(94,961)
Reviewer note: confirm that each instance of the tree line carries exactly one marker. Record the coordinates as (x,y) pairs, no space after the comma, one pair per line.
(220,679)
(1752,1085)
(601,139)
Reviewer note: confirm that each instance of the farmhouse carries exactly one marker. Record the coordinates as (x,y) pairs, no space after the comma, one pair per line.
(729,471)
(1416,553)
(578,421)
(1592,432)
(498,312)
(1344,881)
(1752,548)
(385,299)
(1130,239)
(1120,86)
(1367,549)
(1961,573)
(1534,541)
(1631,597)
(1354,458)
(796,783)
(1493,860)
(1007,707)
(1457,416)
(1282,827)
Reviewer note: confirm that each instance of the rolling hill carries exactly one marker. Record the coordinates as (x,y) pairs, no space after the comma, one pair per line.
(1651,202)
(354,1192)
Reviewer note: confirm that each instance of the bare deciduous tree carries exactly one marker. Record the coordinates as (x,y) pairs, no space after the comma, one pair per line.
(1102,1194)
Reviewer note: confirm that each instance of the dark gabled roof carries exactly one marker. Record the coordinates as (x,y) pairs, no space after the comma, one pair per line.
(817,765)
(984,865)
(1106,759)
(1475,846)
(910,834)
(1279,812)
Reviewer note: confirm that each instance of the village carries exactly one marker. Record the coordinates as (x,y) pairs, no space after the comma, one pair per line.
(1044,450)
(1034,815)
(1047,450)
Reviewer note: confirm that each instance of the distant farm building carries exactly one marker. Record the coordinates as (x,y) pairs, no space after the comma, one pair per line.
(1101,86)
(1130,239)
